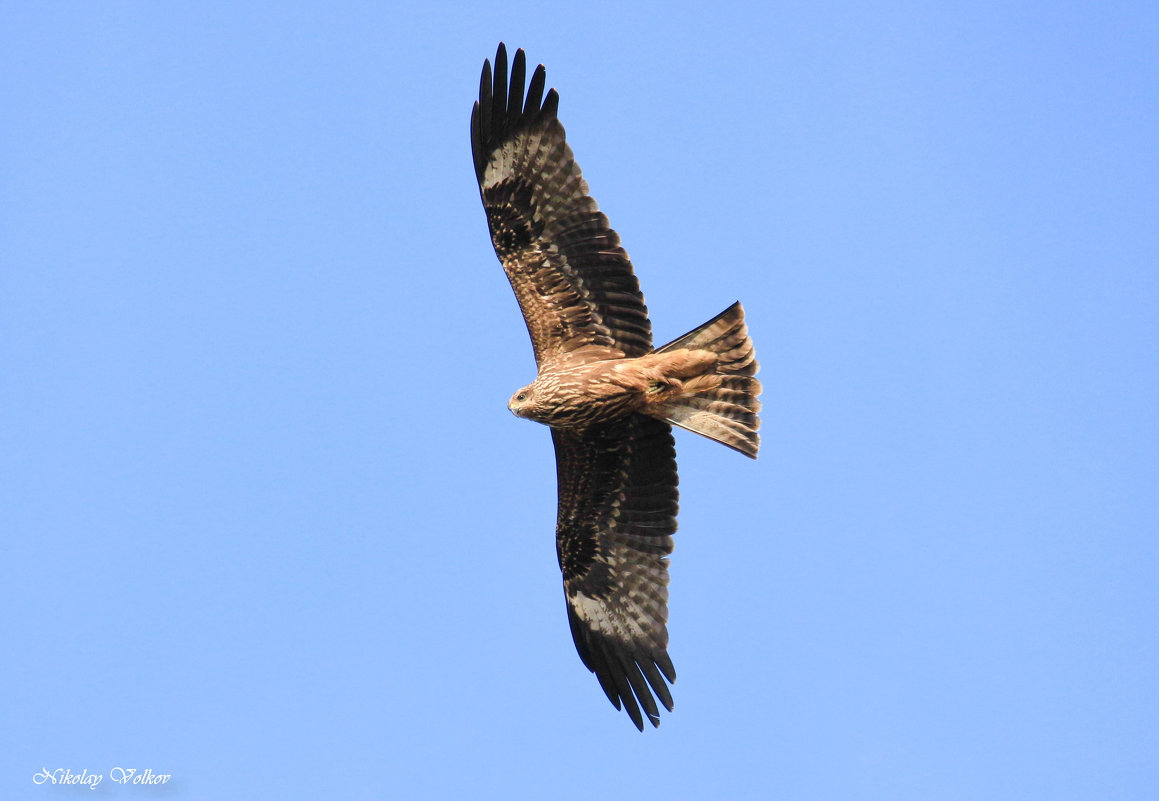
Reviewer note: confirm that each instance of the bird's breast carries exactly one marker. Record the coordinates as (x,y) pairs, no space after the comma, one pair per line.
(583,396)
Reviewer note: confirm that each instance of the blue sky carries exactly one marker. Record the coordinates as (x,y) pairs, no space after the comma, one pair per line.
(270,528)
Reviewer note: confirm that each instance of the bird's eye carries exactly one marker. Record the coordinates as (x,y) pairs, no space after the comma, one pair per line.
(522,396)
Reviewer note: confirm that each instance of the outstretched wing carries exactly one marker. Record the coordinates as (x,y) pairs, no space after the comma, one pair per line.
(617,514)
(573,281)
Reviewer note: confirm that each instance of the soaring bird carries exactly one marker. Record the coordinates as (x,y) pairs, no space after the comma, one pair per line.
(608,396)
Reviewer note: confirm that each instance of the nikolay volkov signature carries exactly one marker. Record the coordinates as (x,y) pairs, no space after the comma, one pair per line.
(117,775)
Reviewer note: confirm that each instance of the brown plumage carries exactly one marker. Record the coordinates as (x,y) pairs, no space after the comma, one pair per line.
(608,396)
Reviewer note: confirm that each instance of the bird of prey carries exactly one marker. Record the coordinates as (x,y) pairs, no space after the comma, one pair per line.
(608,396)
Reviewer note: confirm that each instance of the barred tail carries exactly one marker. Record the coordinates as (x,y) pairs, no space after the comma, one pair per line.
(726,412)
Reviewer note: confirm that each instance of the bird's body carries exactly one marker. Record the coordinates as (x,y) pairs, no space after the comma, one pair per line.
(608,396)
(600,391)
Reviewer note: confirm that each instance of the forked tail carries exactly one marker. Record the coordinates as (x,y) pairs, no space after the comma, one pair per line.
(727,411)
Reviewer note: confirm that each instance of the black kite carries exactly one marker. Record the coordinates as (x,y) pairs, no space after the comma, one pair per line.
(608,396)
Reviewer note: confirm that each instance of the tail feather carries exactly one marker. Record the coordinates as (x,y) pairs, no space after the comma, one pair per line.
(725,335)
(728,411)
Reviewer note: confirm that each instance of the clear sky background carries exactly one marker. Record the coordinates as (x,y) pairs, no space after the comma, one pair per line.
(268,526)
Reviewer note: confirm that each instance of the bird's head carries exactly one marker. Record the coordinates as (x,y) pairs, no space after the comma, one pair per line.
(522,402)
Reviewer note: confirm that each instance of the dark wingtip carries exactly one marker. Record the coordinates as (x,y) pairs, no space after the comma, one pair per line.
(625,679)
(535,91)
(664,662)
(499,112)
(551,103)
(515,95)
(504,105)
